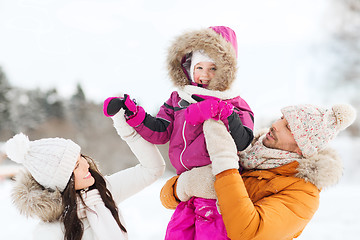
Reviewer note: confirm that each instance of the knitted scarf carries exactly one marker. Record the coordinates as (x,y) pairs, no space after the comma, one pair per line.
(261,157)
(100,219)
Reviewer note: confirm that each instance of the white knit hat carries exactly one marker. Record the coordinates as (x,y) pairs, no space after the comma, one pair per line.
(313,127)
(198,56)
(50,161)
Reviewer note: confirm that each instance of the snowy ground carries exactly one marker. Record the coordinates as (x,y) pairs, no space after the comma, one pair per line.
(337,217)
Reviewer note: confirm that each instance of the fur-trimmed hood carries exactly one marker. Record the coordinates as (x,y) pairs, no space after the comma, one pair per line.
(216,47)
(33,200)
(323,169)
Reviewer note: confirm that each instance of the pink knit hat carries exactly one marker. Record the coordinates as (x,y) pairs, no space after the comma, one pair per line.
(313,127)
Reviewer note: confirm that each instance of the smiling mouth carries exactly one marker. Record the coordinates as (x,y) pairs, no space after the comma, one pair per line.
(271,135)
(88,175)
(204,81)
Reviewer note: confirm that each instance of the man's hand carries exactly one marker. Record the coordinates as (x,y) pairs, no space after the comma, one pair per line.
(197,182)
(220,146)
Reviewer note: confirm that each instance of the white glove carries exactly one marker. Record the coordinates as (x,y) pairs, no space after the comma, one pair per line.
(147,153)
(220,146)
(198,182)
(125,131)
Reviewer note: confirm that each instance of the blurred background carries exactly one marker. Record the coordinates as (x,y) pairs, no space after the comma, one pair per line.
(60,59)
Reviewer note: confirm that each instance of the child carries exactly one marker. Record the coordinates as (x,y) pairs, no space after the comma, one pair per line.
(202,64)
(66,191)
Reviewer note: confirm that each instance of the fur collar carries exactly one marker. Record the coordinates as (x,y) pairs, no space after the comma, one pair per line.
(188,90)
(323,169)
(33,200)
(215,46)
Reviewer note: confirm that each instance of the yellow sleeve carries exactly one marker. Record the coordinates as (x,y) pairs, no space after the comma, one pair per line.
(281,215)
(168,195)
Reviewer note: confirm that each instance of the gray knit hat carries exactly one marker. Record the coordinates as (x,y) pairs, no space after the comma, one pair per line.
(313,127)
(50,161)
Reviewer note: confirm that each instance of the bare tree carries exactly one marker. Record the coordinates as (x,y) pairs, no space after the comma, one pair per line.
(344,72)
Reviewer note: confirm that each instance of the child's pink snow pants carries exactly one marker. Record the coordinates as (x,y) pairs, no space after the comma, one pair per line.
(196,219)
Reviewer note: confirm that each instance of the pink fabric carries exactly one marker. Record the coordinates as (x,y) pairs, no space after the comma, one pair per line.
(190,152)
(196,219)
(138,117)
(105,106)
(228,34)
(211,107)
(130,104)
(139,113)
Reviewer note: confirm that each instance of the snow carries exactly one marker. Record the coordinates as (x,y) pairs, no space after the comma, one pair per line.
(145,217)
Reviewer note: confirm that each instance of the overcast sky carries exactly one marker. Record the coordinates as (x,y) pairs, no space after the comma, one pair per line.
(120,46)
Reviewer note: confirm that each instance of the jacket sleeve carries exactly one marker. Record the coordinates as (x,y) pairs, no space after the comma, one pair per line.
(241,134)
(168,195)
(127,182)
(158,130)
(48,230)
(279,216)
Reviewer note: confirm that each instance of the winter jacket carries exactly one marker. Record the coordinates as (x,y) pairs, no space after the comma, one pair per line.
(270,204)
(187,148)
(187,144)
(32,200)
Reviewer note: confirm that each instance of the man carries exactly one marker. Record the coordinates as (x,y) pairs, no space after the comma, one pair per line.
(285,169)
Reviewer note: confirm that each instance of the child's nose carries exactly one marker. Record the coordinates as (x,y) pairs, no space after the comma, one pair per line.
(205,73)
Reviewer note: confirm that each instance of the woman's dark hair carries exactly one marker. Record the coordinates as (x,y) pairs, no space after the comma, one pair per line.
(74,228)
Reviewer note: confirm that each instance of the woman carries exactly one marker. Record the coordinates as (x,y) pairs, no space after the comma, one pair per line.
(66,191)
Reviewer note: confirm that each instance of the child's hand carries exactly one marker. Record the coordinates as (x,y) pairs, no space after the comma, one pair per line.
(207,108)
(129,106)
(112,105)
(134,114)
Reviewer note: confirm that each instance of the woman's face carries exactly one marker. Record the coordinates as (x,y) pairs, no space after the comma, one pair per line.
(83,178)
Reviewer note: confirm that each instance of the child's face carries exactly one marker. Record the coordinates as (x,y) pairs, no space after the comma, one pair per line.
(204,72)
(83,178)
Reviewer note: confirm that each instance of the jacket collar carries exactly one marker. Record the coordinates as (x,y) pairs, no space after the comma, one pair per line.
(288,170)
(323,169)
(188,90)
(32,200)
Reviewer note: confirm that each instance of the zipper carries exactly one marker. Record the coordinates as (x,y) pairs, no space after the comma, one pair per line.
(182,152)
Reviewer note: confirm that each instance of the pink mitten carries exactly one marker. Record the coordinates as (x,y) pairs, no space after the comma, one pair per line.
(225,110)
(134,114)
(209,107)
(112,105)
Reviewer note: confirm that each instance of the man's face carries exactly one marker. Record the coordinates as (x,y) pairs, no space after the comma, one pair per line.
(280,137)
